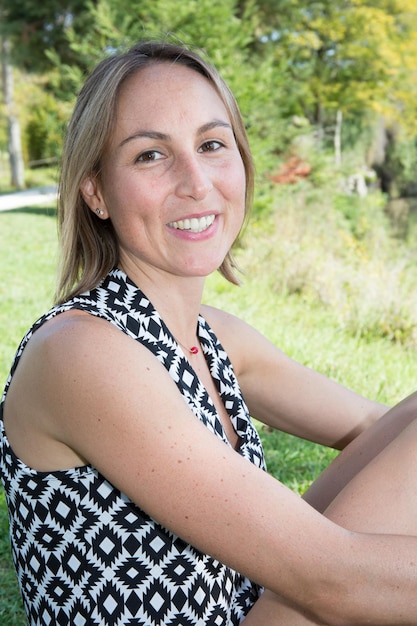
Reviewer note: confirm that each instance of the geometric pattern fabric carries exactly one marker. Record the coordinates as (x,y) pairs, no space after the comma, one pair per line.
(84,553)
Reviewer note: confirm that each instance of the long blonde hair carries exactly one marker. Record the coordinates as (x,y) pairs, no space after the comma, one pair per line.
(89,246)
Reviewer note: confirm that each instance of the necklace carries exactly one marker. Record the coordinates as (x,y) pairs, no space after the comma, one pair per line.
(192,350)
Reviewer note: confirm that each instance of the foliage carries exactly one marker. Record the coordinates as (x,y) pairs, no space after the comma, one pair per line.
(45,128)
(404,159)
(343,55)
(228,44)
(37,27)
(42,117)
(291,65)
(344,255)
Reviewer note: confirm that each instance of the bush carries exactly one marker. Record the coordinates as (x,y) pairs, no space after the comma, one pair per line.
(44,130)
(339,254)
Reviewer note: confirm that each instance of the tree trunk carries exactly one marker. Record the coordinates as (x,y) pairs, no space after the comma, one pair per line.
(338,138)
(320,126)
(13,126)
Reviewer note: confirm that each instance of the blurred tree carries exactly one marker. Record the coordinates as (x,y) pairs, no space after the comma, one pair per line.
(228,42)
(344,57)
(295,67)
(28,30)
(14,143)
(37,27)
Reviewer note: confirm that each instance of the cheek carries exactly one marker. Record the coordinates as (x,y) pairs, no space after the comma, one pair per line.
(121,196)
(237,199)
(234,180)
(237,186)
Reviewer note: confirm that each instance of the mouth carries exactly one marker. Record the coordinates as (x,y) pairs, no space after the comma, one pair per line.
(194,224)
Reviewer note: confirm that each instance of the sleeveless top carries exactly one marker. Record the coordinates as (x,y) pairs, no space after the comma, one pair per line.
(84,553)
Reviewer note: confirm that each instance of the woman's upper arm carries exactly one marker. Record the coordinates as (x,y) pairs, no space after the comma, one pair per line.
(288,395)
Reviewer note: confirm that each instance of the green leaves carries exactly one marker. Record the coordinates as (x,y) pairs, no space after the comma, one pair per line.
(292,65)
(347,55)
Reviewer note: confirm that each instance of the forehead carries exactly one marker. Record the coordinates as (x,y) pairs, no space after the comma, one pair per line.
(162,91)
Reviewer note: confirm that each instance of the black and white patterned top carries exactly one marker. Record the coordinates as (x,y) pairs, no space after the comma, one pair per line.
(87,555)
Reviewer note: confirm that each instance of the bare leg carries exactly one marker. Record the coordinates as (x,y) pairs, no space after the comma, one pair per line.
(380,496)
(360,452)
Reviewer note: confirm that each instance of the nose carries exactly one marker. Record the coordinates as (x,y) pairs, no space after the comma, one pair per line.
(192,178)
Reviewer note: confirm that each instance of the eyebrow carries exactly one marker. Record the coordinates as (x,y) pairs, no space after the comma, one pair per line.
(153,134)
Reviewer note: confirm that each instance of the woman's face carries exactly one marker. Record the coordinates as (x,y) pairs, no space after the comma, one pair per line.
(172,181)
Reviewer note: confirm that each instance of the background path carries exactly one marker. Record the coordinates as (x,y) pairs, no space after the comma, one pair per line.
(28,197)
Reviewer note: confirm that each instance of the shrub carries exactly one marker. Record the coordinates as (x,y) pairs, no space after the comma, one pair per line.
(45,129)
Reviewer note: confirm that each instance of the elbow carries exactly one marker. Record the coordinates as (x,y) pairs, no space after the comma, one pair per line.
(330,606)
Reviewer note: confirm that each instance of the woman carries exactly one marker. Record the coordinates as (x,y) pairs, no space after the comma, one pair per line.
(135,480)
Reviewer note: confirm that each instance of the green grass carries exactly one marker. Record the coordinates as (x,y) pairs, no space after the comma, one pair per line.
(306,286)
(28,245)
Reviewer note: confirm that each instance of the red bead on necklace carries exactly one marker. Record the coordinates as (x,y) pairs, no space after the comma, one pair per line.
(192,350)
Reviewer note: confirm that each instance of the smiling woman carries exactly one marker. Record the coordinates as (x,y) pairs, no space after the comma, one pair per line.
(86,145)
(133,473)
(174,188)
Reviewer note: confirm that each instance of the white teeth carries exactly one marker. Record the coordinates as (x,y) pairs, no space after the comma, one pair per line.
(194,225)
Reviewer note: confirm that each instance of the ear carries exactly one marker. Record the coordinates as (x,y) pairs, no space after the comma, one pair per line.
(92,195)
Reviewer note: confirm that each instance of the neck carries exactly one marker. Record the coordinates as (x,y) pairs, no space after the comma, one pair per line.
(177,300)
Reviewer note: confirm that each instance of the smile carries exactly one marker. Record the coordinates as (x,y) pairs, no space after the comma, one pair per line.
(193,225)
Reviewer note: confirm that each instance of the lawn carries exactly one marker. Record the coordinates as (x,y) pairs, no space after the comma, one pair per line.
(315,328)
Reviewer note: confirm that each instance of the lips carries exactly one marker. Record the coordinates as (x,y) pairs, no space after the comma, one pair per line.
(194,224)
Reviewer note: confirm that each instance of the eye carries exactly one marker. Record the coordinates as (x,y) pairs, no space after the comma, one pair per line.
(211,146)
(149,156)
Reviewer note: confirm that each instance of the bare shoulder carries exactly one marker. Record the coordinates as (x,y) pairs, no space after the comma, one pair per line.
(226,325)
(242,342)
(69,325)
(76,337)
(85,349)
(74,370)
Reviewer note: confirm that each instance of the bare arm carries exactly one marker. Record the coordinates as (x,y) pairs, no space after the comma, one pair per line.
(287,395)
(94,391)
(274,611)
(293,398)
(379,497)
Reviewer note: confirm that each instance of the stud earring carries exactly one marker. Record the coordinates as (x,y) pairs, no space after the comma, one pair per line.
(99,212)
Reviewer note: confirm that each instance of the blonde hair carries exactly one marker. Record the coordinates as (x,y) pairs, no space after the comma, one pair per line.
(89,246)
